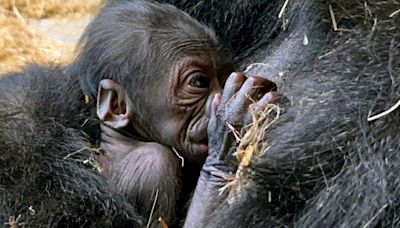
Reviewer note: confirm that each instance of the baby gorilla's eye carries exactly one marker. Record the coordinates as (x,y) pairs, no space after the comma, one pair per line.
(200,81)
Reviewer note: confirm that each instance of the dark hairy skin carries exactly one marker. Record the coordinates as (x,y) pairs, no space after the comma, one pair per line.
(40,125)
(94,143)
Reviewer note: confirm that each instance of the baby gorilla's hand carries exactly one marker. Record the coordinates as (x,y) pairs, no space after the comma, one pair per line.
(231,110)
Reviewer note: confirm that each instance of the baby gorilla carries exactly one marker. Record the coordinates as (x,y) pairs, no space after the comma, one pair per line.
(151,70)
(143,88)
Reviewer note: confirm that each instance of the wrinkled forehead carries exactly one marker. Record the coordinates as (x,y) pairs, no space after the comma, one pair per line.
(175,55)
(206,53)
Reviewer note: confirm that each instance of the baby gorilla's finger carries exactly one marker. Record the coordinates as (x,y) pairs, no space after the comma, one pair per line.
(232,85)
(272,97)
(215,104)
(260,88)
(242,100)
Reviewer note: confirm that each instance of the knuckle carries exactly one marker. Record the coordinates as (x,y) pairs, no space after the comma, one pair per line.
(251,80)
(239,76)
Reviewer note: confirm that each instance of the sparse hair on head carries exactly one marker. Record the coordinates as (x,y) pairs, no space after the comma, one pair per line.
(129,40)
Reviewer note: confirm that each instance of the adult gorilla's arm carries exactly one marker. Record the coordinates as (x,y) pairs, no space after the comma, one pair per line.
(43,180)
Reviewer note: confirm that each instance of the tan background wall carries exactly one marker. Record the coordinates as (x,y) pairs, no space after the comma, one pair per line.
(41,30)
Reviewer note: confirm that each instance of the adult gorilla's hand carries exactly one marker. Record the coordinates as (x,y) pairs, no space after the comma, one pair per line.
(231,109)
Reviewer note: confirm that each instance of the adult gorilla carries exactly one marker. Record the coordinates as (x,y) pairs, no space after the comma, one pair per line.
(325,162)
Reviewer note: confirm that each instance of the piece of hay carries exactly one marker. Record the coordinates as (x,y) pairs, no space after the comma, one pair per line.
(251,145)
(162,222)
(152,209)
(14,222)
(395,13)
(387,112)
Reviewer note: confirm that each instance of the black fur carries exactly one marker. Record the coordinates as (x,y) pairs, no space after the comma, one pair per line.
(44,119)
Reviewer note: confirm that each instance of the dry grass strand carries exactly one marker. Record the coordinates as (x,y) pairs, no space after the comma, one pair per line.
(249,144)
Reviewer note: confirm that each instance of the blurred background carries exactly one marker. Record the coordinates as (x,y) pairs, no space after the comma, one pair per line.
(41,30)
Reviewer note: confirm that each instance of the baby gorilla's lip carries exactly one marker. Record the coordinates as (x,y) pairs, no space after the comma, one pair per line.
(199,138)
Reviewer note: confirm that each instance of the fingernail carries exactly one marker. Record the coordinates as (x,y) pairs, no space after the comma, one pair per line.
(215,103)
(240,75)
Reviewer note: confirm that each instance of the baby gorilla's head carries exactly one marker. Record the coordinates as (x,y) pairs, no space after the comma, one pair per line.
(163,66)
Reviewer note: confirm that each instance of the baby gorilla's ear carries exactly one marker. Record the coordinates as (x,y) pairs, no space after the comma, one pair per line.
(114,107)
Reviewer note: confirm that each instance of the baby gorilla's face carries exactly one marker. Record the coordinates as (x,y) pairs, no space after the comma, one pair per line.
(181,110)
